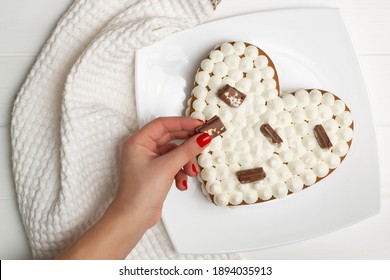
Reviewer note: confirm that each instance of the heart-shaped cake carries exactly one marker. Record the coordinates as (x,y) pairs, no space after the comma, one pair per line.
(265,144)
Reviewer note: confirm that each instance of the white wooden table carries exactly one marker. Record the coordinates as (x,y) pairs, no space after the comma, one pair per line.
(25,25)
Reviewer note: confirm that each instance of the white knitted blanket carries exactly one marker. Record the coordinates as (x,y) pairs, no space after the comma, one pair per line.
(73,111)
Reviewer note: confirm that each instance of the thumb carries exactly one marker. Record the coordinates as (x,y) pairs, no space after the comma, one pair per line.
(185,152)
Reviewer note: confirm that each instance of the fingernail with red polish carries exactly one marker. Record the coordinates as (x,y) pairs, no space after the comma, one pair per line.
(203,140)
(194,169)
(185,184)
(200,120)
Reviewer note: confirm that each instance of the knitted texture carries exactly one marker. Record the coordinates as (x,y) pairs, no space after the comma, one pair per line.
(74,110)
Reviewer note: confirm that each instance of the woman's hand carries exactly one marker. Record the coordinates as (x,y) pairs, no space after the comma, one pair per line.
(150,162)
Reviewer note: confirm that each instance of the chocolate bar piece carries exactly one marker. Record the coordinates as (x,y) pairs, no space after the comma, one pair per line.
(270,134)
(231,96)
(251,175)
(213,127)
(322,137)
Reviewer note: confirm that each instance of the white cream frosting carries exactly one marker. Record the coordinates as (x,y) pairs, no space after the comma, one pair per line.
(289,166)
(227,49)
(207,65)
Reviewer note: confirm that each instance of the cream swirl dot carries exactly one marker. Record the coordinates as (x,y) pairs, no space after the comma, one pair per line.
(302,97)
(274,162)
(308,177)
(239,47)
(216,56)
(294,184)
(333,161)
(344,118)
(327,99)
(321,169)
(289,102)
(286,155)
(268,72)
(315,96)
(220,69)
(205,160)
(246,64)
(199,105)
(284,118)
(338,107)
(232,61)
(276,105)
(269,83)
(309,142)
(232,157)
(345,133)
(296,166)
(236,198)
(283,173)
(311,112)
(235,75)
(202,78)
(257,88)
(246,159)
(279,190)
(215,82)
(309,159)
(289,131)
(207,65)
(324,112)
(331,126)
(210,111)
(250,196)
(261,61)
(222,171)
(213,187)
(208,174)
(251,52)
(242,147)
(269,94)
(244,85)
(264,193)
(197,115)
(302,129)
(340,149)
(225,114)
(221,199)
(227,49)
(271,177)
(298,115)
(248,133)
(254,75)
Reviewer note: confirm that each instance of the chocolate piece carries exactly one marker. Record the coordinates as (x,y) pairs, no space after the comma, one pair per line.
(270,134)
(251,175)
(322,137)
(231,96)
(213,127)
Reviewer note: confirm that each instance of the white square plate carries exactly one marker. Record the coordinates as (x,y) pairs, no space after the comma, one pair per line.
(311,48)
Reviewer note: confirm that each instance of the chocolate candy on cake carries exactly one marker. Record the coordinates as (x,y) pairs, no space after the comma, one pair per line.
(322,138)
(251,175)
(213,127)
(231,96)
(270,134)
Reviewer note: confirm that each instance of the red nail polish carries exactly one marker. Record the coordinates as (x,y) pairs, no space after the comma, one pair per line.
(203,140)
(185,184)
(200,120)
(194,169)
